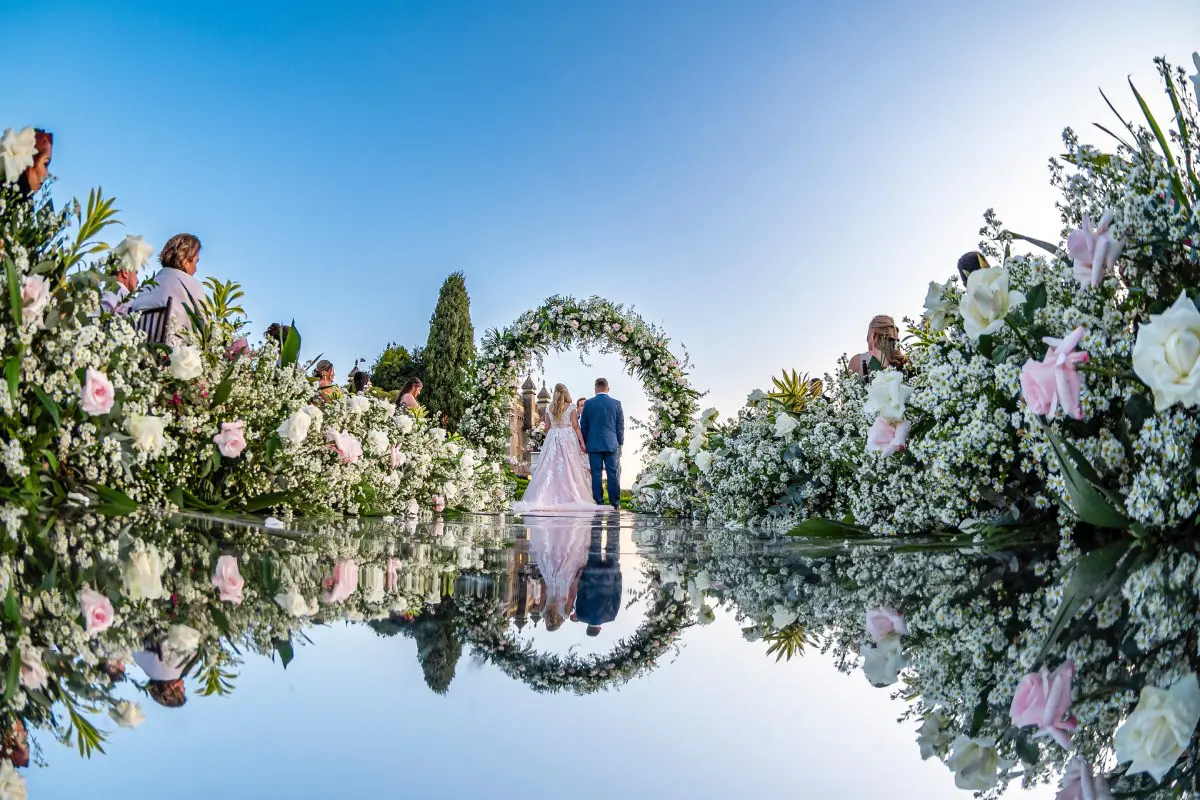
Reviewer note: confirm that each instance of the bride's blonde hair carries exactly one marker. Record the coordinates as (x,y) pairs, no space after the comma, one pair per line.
(561,401)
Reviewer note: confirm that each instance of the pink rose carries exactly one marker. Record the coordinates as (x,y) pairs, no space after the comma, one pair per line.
(887,437)
(884,623)
(574,324)
(97,611)
(231,441)
(1043,699)
(35,296)
(1054,381)
(439,503)
(393,566)
(238,347)
(623,338)
(97,395)
(228,579)
(396,456)
(1094,251)
(342,583)
(1079,783)
(345,445)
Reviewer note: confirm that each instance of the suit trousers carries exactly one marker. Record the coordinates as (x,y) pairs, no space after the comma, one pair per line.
(605,463)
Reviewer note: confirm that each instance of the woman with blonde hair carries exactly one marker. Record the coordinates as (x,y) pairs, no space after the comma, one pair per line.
(883,345)
(558,482)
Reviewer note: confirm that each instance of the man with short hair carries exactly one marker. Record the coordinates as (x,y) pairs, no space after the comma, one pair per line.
(603,427)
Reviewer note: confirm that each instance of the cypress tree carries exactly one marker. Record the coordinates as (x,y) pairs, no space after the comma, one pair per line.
(449,354)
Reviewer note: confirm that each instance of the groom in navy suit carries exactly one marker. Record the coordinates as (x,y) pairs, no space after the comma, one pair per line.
(603,427)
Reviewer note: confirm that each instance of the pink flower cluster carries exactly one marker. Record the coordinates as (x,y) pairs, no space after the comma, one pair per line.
(887,437)
(231,441)
(885,623)
(1053,382)
(345,445)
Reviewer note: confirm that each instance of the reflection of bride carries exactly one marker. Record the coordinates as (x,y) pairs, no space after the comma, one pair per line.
(559,482)
(560,550)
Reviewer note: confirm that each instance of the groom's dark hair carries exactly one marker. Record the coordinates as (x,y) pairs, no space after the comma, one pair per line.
(601,383)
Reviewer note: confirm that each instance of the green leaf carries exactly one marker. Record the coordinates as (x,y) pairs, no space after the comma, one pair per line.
(223,388)
(50,405)
(51,459)
(1002,353)
(14,675)
(266,501)
(1182,127)
(827,528)
(290,353)
(15,301)
(274,445)
(986,345)
(115,502)
(1049,248)
(1028,750)
(1089,575)
(12,372)
(1087,499)
(12,609)
(221,621)
(1176,186)
(1138,409)
(980,714)
(285,650)
(1034,301)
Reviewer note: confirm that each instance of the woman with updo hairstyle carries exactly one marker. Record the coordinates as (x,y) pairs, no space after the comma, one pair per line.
(326,390)
(35,176)
(883,345)
(410,393)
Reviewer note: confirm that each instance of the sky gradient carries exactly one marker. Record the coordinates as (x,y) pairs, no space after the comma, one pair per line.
(760,179)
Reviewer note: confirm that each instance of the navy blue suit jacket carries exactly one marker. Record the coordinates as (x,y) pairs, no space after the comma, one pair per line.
(602,424)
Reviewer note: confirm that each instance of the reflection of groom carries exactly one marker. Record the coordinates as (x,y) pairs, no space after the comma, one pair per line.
(599,596)
(603,428)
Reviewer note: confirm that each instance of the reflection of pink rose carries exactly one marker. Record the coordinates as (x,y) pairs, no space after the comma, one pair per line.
(887,437)
(1080,783)
(97,395)
(393,566)
(231,441)
(574,324)
(345,445)
(396,459)
(883,623)
(97,611)
(35,296)
(623,338)
(439,503)
(1043,699)
(342,583)
(228,579)
(238,347)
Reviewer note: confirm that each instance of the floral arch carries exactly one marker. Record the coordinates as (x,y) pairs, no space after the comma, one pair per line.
(593,324)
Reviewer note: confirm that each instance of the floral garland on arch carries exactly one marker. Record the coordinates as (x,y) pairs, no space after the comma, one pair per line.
(560,324)
(487,632)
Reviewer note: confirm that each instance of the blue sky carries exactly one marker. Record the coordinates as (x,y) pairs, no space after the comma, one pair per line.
(758,178)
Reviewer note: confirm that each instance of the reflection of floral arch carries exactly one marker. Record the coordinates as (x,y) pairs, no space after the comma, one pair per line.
(564,322)
(487,632)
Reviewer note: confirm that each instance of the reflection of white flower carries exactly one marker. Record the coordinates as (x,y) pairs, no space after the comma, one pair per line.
(294,603)
(785,423)
(12,785)
(937,308)
(974,762)
(782,616)
(887,395)
(987,301)
(1166,355)
(17,151)
(127,714)
(186,363)
(133,253)
(143,575)
(1160,728)
(148,433)
(882,662)
(932,735)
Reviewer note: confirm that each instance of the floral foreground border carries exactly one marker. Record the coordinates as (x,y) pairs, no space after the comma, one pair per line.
(560,324)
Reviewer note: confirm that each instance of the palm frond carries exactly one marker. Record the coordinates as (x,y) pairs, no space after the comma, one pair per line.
(788,642)
(795,390)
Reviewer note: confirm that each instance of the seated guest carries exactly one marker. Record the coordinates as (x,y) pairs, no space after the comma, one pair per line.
(883,345)
(176,281)
(35,175)
(410,393)
(971,262)
(362,382)
(323,372)
(126,285)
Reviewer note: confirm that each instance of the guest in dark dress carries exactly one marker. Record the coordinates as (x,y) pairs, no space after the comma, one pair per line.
(598,600)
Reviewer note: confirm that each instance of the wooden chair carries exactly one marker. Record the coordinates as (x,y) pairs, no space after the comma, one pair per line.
(155,322)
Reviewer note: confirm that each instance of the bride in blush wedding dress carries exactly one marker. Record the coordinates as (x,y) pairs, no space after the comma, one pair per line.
(559,482)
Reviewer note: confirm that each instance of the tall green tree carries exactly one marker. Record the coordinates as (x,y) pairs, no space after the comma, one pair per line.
(395,365)
(449,354)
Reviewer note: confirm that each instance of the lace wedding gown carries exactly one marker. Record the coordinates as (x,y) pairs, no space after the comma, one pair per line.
(560,550)
(559,481)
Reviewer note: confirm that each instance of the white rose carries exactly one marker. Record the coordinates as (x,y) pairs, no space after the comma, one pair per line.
(186,363)
(887,394)
(757,396)
(127,714)
(1160,728)
(782,616)
(294,603)
(33,670)
(438,434)
(143,575)
(377,441)
(294,429)
(974,762)
(148,433)
(680,434)
(882,662)
(12,785)
(359,404)
(133,253)
(704,460)
(413,508)
(387,408)
(1166,355)
(785,423)
(181,643)
(17,152)
(315,413)
(932,735)
(987,301)
(449,490)
(938,309)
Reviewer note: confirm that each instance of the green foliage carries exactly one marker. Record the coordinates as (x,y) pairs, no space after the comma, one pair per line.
(787,642)
(221,303)
(794,391)
(449,355)
(99,215)
(395,365)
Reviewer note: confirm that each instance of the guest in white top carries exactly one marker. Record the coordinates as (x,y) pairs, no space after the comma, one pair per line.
(175,281)
(126,285)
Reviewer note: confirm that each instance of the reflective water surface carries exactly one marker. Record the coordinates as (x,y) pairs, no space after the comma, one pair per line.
(578,657)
